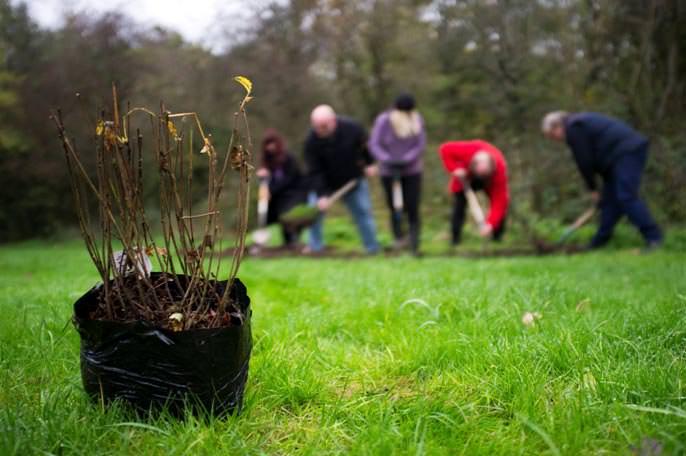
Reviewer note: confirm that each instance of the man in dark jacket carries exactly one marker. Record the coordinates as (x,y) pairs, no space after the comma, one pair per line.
(608,147)
(336,152)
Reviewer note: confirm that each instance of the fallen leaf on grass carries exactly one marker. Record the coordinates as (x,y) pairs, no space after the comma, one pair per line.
(588,381)
(583,305)
(529,318)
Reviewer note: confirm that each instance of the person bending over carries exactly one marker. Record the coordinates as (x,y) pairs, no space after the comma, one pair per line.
(483,167)
(607,147)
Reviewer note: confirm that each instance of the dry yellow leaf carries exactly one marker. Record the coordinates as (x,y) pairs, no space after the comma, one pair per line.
(172,129)
(245,82)
(207,148)
(150,251)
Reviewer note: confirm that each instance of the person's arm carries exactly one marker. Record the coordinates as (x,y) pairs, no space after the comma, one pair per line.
(363,141)
(415,152)
(376,147)
(499,196)
(315,167)
(450,155)
(370,169)
(582,150)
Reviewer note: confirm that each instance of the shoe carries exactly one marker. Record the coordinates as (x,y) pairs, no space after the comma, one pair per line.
(651,246)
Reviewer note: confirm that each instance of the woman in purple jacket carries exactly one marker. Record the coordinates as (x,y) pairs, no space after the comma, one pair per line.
(397,142)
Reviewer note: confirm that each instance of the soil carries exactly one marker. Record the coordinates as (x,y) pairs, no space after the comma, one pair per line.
(134,300)
(538,248)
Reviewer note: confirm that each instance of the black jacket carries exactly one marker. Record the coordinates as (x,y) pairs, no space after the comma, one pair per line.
(597,141)
(335,160)
(286,189)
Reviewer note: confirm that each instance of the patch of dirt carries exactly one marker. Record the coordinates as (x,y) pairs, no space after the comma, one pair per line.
(538,248)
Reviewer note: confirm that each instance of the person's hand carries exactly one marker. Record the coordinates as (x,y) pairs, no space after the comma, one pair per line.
(595,197)
(486,230)
(460,173)
(323,203)
(371,171)
(262,172)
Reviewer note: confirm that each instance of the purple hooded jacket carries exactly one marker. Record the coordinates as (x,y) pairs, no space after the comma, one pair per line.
(387,148)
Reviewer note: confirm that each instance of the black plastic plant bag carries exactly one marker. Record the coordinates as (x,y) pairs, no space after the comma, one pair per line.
(153,368)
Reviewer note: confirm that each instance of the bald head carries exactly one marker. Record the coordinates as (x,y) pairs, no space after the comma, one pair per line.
(482,165)
(323,120)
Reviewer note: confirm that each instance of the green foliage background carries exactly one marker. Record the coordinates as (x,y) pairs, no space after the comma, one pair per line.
(486,69)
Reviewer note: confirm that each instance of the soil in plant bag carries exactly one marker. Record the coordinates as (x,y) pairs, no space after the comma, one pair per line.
(151,366)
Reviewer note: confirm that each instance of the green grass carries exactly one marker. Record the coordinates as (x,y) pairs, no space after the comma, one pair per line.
(382,356)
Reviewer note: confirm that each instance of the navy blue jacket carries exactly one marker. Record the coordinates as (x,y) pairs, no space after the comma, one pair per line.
(597,141)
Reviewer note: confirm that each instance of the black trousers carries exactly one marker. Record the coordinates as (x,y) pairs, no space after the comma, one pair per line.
(621,197)
(278,206)
(458,219)
(412,188)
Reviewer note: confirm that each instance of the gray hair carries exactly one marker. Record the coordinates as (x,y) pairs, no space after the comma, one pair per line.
(552,120)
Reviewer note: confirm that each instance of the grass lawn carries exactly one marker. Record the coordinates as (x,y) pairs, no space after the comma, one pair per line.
(382,356)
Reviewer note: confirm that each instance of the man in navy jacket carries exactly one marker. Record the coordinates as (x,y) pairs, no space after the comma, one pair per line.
(608,147)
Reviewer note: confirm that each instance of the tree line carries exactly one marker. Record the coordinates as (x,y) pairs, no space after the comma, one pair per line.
(479,69)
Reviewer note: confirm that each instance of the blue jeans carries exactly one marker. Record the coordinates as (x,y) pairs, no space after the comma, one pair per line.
(360,207)
(620,197)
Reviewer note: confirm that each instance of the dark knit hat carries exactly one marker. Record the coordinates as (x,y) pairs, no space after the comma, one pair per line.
(405,102)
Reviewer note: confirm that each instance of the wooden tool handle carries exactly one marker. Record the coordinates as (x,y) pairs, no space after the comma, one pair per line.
(262,203)
(473,203)
(585,217)
(397,190)
(340,193)
(263,191)
(578,223)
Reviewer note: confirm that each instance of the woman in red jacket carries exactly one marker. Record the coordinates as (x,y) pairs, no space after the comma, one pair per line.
(483,165)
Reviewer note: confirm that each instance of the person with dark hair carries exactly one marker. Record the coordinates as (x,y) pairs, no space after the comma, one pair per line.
(286,183)
(483,166)
(397,142)
(608,147)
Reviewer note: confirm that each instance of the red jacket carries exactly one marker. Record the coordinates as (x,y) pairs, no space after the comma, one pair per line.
(458,154)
